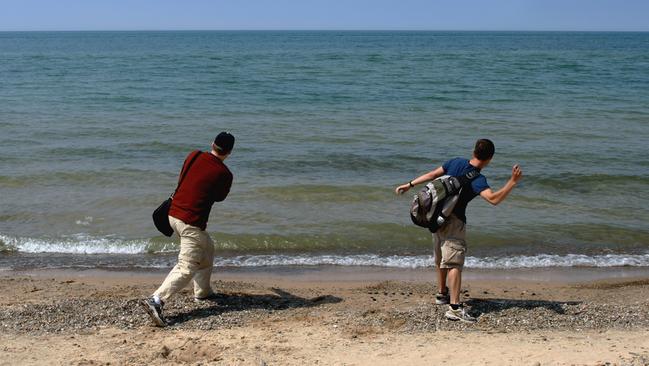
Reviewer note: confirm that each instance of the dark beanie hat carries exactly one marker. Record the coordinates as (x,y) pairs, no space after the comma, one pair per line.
(224,141)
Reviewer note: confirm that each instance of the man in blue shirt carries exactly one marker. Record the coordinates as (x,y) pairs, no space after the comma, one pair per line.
(450,239)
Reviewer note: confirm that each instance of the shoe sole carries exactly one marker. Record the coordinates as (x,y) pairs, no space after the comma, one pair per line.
(204,301)
(212,298)
(199,301)
(153,314)
(441,302)
(456,318)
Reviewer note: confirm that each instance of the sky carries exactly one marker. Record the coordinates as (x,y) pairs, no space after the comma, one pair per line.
(580,15)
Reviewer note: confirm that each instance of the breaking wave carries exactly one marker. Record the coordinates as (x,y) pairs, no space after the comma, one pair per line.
(84,245)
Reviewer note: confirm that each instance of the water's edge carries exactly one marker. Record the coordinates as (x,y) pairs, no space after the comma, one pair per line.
(353,275)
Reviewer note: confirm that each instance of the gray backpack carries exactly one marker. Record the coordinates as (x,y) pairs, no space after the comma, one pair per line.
(432,205)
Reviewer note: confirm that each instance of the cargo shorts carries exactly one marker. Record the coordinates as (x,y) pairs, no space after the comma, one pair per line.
(450,244)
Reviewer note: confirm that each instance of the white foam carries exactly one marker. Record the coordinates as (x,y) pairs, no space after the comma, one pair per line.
(553,260)
(427,261)
(339,260)
(84,244)
(76,244)
(85,222)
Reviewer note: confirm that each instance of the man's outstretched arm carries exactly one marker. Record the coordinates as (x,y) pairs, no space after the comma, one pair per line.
(421,179)
(496,197)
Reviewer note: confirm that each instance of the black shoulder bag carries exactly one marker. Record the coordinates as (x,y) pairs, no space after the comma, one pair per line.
(161,214)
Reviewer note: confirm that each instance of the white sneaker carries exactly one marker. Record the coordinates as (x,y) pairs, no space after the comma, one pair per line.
(460,314)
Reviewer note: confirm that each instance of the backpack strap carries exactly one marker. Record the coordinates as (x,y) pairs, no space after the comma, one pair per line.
(184,171)
(468,177)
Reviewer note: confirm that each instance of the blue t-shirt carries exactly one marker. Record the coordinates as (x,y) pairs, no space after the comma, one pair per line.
(458,167)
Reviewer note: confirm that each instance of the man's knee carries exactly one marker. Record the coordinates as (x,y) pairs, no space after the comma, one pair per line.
(188,267)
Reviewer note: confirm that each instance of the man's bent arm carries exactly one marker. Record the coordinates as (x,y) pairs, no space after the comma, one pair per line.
(223,191)
(496,197)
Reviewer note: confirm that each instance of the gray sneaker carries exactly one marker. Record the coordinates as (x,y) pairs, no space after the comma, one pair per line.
(155,311)
(442,299)
(460,314)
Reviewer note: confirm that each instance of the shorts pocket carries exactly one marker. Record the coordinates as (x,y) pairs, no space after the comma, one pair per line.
(453,253)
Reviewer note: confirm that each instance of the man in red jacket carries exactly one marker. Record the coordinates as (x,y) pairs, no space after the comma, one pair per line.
(208,180)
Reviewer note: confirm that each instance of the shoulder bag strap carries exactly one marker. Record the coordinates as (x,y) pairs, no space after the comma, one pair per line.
(184,171)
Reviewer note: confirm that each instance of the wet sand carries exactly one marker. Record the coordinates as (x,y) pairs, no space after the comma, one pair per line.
(328,315)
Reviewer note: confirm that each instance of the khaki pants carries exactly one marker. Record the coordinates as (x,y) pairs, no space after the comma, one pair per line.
(195,261)
(450,244)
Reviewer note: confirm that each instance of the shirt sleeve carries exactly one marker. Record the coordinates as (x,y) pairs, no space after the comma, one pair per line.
(479,184)
(223,190)
(447,165)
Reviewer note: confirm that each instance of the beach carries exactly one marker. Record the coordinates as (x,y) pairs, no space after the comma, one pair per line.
(326,316)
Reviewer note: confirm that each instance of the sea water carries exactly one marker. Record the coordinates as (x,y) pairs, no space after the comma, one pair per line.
(94,127)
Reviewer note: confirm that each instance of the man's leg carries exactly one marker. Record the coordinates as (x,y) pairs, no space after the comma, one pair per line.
(442,291)
(455,282)
(452,251)
(456,310)
(180,275)
(202,288)
(453,255)
(189,260)
(441,272)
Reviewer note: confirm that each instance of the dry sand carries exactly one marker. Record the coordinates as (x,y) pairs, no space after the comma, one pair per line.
(84,318)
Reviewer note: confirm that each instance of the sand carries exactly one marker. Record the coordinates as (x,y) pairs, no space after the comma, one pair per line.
(335,317)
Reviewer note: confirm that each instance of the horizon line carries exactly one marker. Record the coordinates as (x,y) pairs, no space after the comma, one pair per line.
(328,30)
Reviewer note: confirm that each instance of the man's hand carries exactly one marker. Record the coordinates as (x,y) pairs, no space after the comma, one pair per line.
(402,188)
(517,173)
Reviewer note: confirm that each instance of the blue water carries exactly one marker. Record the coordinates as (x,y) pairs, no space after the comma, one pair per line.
(95,125)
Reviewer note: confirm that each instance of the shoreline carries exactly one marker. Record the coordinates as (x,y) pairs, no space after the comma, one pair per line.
(357,275)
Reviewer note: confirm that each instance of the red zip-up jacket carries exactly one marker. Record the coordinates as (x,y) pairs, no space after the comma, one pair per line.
(208,180)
